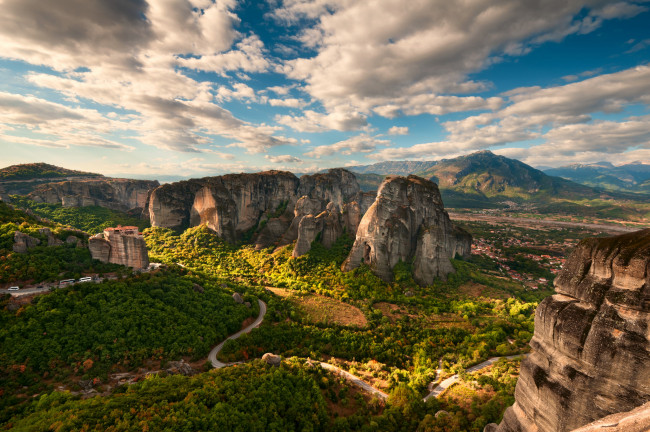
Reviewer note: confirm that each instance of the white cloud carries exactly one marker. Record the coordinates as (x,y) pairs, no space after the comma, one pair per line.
(288,102)
(371,55)
(312,121)
(282,159)
(130,52)
(357,144)
(248,56)
(397,130)
(239,91)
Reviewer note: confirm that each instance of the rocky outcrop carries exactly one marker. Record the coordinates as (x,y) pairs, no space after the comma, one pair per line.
(52,240)
(407,222)
(24,242)
(116,194)
(121,245)
(272,359)
(269,204)
(591,347)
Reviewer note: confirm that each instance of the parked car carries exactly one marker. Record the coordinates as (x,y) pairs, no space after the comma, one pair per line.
(14,288)
(85,279)
(66,282)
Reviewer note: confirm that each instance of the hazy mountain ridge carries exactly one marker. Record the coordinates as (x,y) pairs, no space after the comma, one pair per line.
(402,168)
(632,177)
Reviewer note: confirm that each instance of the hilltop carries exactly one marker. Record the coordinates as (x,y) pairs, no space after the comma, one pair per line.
(632,177)
(484,180)
(40,170)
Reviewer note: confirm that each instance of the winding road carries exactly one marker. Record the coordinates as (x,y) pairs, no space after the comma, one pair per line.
(212,357)
(436,392)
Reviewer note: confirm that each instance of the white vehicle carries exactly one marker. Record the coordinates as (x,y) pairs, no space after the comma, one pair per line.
(14,288)
(85,279)
(66,282)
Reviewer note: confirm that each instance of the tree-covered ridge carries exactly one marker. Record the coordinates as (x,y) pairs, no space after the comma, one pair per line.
(40,170)
(88,330)
(253,397)
(91,219)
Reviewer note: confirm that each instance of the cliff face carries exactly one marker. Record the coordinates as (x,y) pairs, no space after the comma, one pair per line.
(116,194)
(407,222)
(272,203)
(122,245)
(591,347)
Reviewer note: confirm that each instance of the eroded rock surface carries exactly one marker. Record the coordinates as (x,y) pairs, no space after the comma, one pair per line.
(121,245)
(407,221)
(269,204)
(116,194)
(591,347)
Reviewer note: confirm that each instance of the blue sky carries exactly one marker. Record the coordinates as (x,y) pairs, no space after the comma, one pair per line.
(186,88)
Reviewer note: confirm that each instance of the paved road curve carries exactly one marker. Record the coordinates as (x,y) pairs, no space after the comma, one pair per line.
(437,391)
(212,357)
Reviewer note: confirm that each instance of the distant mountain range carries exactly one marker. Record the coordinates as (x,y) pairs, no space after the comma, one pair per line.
(633,177)
(483,180)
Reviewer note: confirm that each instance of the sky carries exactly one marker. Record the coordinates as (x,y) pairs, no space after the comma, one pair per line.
(191,88)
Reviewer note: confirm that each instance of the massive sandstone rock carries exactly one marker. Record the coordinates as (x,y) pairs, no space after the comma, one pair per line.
(407,222)
(269,204)
(121,245)
(591,347)
(116,194)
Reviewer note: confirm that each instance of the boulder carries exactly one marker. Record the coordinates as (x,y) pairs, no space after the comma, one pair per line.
(407,222)
(74,240)
(24,242)
(179,368)
(272,359)
(52,240)
(238,298)
(591,346)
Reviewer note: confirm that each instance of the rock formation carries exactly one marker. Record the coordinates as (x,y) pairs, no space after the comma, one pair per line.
(407,222)
(116,194)
(270,204)
(52,240)
(272,359)
(121,245)
(591,347)
(23,242)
